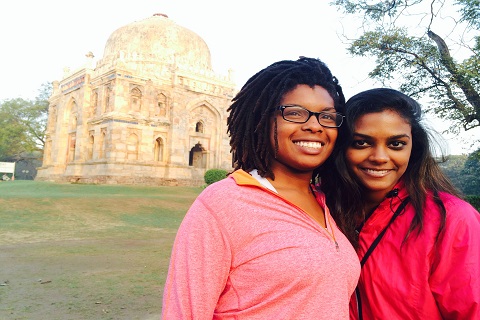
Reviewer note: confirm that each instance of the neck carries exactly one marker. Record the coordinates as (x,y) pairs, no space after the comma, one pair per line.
(369,206)
(372,200)
(292,180)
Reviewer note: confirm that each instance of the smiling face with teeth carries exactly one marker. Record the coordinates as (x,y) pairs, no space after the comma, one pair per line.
(380,151)
(302,147)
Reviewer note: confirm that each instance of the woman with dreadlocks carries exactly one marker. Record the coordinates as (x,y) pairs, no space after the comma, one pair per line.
(261,243)
(418,242)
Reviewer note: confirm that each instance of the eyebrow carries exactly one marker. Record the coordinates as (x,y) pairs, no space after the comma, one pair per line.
(327,109)
(366,136)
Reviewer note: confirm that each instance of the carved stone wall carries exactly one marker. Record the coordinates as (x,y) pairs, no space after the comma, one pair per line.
(138,117)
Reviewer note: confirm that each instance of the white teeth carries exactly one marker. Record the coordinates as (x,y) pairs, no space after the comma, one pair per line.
(378,173)
(309,144)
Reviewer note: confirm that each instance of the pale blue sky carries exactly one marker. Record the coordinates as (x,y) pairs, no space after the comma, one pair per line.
(39,38)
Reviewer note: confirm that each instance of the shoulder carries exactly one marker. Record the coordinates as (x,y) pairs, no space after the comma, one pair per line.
(231,194)
(216,193)
(222,186)
(458,207)
(459,213)
(209,209)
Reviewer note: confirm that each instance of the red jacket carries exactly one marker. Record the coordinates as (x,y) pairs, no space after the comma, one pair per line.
(417,279)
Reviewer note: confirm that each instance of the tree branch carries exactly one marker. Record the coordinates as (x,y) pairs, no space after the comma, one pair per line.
(473,97)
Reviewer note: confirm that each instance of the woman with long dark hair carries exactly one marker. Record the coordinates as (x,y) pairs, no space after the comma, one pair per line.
(418,242)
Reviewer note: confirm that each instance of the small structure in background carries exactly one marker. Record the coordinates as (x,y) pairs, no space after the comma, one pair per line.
(7,167)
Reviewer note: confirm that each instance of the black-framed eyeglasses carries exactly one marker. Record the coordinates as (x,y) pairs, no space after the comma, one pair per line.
(298,114)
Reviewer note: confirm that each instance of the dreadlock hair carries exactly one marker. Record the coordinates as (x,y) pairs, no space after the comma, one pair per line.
(423,174)
(248,121)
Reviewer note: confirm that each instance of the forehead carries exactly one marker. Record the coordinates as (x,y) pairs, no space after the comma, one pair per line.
(308,97)
(386,122)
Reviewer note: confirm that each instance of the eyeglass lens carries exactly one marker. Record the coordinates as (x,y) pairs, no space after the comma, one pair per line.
(301,115)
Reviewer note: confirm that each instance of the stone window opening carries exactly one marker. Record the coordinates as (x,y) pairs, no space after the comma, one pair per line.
(136,100)
(106,104)
(70,116)
(161,108)
(197,157)
(158,151)
(199,127)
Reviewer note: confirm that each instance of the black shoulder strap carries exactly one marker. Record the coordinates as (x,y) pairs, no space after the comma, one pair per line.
(373,246)
(380,236)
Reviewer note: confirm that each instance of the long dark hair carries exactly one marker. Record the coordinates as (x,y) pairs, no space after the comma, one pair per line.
(248,122)
(345,194)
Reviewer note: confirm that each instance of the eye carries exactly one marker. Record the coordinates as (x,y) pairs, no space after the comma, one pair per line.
(328,116)
(397,144)
(295,112)
(291,113)
(360,144)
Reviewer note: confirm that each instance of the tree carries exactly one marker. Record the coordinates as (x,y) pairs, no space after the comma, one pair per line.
(22,125)
(414,43)
(453,168)
(471,174)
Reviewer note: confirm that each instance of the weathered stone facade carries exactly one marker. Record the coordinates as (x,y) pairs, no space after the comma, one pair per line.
(151,111)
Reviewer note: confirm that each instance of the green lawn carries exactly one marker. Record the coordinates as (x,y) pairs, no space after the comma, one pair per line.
(73,251)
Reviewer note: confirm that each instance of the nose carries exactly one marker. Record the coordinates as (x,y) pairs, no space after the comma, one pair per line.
(313,124)
(379,154)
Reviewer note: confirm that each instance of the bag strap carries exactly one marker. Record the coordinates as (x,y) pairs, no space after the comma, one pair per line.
(381,234)
(374,245)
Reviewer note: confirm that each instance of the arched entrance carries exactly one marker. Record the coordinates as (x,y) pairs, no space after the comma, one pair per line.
(197,157)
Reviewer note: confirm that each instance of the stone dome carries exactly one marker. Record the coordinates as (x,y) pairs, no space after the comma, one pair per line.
(157,40)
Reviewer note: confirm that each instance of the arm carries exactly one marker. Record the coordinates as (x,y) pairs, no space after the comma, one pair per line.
(455,279)
(199,266)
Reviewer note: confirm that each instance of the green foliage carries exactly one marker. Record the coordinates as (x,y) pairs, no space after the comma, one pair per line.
(214,175)
(474,201)
(13,138)
(464,172)
(470,11)
(471,174)
(22,125)
(374,11)
(411,56)
(453,169)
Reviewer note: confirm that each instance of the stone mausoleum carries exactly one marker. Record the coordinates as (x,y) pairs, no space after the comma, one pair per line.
(151,111)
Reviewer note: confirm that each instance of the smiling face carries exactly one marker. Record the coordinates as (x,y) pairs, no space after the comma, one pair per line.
(302,147)
(379,154)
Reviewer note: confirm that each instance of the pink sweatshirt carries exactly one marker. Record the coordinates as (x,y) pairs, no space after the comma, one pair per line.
(244,252)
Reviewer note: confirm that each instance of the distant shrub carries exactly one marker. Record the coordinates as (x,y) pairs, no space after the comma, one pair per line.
(214,175)
(474,201)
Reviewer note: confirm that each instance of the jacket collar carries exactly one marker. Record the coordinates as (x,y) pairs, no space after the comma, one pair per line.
(243,178)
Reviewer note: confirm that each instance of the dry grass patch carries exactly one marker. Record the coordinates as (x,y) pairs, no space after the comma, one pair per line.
(86,251)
